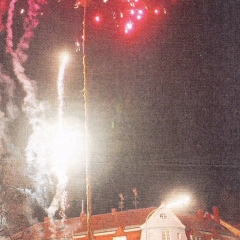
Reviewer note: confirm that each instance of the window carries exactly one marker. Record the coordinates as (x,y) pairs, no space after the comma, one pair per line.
(120,238)
(179,236)
(163,216)
(166,235)
(196,238)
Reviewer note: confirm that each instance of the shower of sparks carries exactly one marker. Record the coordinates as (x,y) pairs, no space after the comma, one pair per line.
(59,151)
(63,179)
(126,15)
(60,88)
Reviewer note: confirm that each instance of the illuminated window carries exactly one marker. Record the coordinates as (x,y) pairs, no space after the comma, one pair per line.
(179,236)
(166,235)
(120,238)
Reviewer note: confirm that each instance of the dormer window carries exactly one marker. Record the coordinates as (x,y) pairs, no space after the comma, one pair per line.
(163,216)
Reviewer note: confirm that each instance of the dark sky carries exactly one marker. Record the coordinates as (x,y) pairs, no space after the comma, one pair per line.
(172,93)
(163,104)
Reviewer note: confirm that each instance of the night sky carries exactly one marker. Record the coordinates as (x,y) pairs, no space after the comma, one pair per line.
(163,103)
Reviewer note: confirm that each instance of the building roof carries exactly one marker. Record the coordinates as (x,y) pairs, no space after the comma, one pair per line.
(195,222)
(130,220)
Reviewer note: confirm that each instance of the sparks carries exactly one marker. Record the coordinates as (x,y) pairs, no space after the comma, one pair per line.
(60,87)
(22,11)
(135,11)
(59,153)
(78,46)
(128,27)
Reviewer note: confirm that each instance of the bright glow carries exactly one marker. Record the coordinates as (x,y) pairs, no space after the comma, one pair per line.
(60,86)
(140,11)
(58,151)
(156,11)
(66,144)
(97,18)
(128,27)
(64,59)
(180,201)
(63,145)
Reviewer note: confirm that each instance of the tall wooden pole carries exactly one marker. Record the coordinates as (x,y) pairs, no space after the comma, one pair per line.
(88,175)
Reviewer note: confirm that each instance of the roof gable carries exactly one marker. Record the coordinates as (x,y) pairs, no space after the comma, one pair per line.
(162,217)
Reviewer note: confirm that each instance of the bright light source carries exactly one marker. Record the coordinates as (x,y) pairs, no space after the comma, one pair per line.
(180,201)
(64,58)
(128,27)
(156,11)
(97,18)
(66,144)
